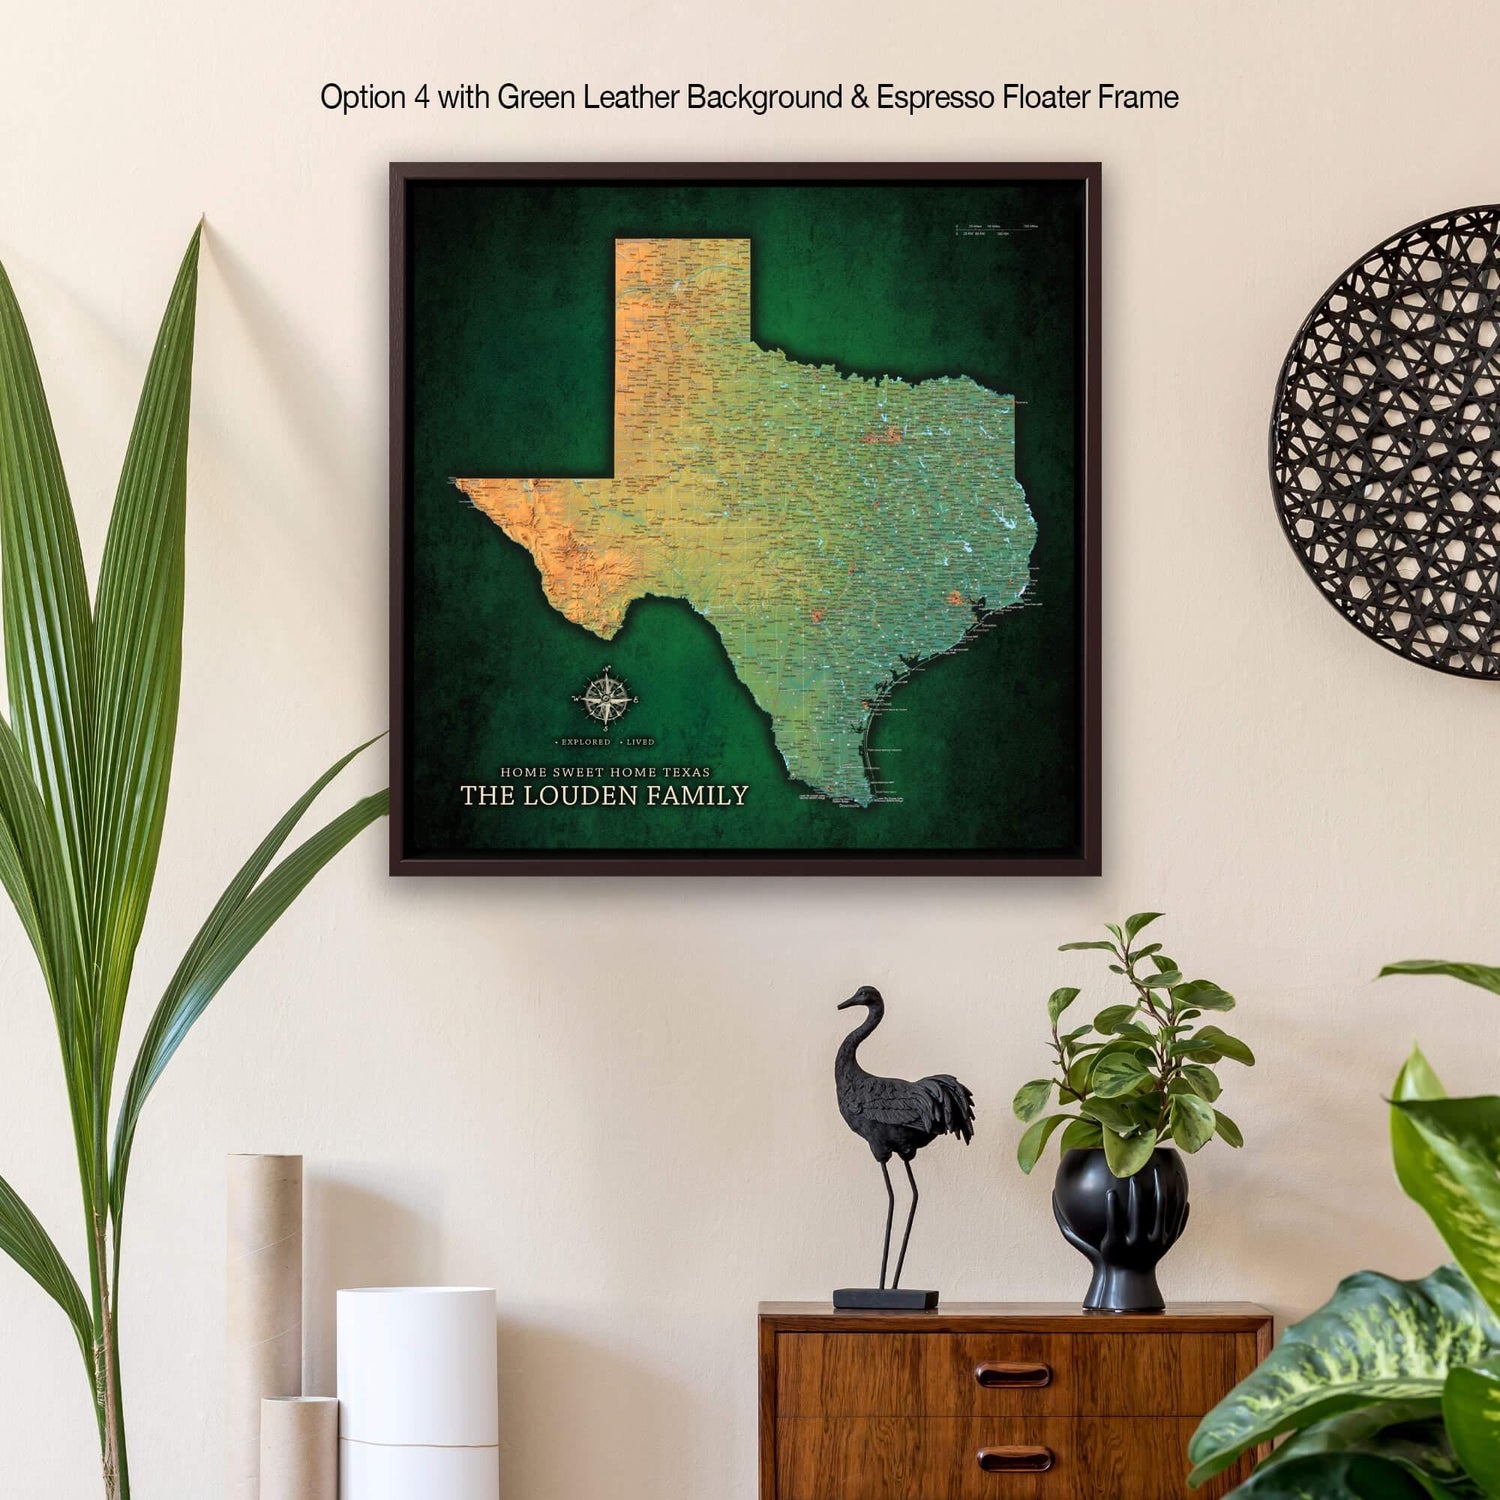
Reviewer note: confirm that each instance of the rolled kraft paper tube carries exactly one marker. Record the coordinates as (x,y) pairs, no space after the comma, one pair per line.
(299,1448)
(416,1367)
(263,1313)
(367,1472)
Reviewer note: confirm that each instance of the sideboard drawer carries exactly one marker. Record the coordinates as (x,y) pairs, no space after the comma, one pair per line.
(991,1374)
(948,1458)
(996,1401)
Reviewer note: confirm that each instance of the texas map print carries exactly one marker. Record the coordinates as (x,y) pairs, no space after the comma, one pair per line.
(833,529)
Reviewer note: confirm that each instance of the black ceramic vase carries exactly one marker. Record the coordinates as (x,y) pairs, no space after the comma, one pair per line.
(1123,1225)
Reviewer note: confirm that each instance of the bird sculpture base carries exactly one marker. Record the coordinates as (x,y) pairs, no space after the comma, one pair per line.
(884,1299)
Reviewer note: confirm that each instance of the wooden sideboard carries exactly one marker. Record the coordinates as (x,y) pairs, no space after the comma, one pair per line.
(995,1401)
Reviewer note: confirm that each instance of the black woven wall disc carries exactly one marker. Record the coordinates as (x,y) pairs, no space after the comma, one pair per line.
(1385,460)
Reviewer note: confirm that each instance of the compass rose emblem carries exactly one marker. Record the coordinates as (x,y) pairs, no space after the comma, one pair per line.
(606,698)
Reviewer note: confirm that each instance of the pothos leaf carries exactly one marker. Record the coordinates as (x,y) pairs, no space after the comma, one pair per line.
(1227,1046)
(1082,1135)
(1126,1155)
(1117,1073)
(1202,994)
(1031,1098)
(1163,979)
(1034,1142)
(1204,1081)
(1117,1115)
(1192,1122)
(1060,1000)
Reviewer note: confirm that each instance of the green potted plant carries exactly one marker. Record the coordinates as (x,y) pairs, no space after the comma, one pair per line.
(85,761)
(1133,1084)
(1391,1390)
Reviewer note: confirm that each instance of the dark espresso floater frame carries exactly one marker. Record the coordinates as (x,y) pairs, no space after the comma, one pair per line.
(559,705)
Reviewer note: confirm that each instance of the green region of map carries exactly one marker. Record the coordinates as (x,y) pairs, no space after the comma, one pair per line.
(835,530)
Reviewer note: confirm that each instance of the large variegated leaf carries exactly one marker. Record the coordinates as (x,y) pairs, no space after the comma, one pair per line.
(1454,1181)
(44,599)
(1471,1411)
(1389,1451)
(1472,1123)
(138,656)
(1344,1476)
(1376,1340)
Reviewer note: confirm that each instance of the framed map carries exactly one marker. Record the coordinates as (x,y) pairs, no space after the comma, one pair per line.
(745,519)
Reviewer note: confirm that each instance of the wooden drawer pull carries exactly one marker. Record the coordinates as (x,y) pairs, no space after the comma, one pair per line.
(1013,1377)
(1015,1460)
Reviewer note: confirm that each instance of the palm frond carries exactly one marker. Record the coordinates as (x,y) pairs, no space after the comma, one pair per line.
(238,928)
(30,1246)
(256,866)
(85,767)
(138,659)
(32,868)
(44,606)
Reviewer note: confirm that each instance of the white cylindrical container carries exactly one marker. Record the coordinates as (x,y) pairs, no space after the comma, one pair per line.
(299,1448)
(418,1401)
(263,1307)
(370,1473)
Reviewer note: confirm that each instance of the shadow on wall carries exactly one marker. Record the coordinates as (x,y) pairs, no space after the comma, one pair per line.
(356,1236)
(1322,1143)
(304,393)
(549,1376)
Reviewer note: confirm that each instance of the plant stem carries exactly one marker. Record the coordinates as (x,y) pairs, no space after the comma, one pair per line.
(1167,1067)
(122,1458)
(109,1371)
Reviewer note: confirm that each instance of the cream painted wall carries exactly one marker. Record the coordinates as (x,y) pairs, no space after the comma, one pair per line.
(612,1099)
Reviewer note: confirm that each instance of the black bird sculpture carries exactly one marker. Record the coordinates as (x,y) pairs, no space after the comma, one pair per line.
(896,1118)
